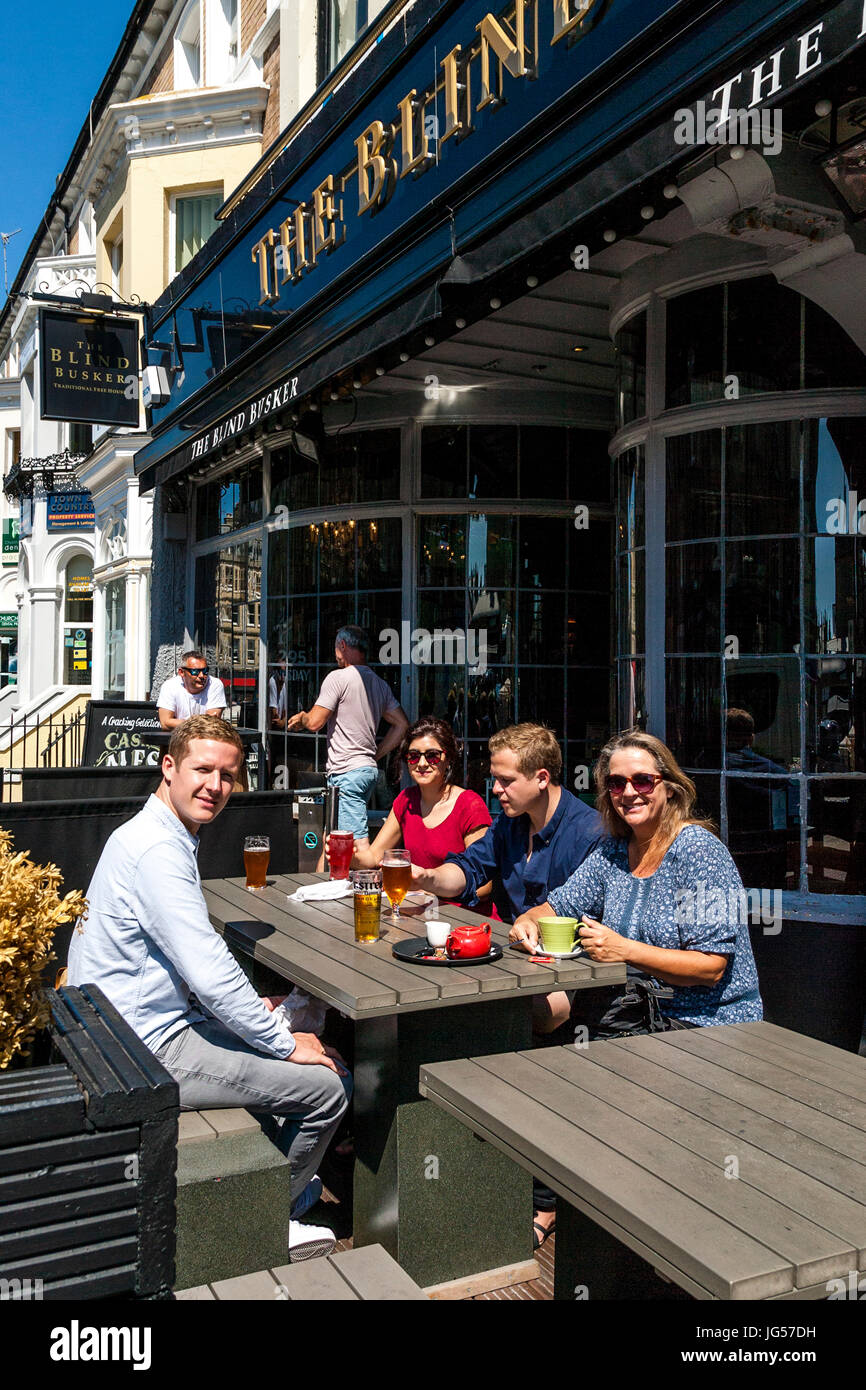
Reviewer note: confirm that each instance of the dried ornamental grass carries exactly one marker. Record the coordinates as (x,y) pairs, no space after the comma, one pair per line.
(31,910)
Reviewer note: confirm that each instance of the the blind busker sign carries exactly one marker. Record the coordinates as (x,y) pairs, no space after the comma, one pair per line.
(124,734)
(88,367)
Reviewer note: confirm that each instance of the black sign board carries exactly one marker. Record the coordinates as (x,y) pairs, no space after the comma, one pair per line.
(123,733)
(88,367)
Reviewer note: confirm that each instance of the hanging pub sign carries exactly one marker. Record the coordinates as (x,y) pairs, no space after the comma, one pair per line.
(88,367)
(70,511)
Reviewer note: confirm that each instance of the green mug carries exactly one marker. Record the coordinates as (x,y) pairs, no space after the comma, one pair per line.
(558,934)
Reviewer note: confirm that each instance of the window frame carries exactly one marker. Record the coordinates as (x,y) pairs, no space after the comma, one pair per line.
(206,191)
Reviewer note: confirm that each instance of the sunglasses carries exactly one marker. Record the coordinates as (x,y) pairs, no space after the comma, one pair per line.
(434,757)
(642,782)
(196,670)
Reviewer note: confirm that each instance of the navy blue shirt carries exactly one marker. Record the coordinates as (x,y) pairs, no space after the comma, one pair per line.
(573,832)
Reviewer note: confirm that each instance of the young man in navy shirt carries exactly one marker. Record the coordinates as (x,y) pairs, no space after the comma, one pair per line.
(537,843)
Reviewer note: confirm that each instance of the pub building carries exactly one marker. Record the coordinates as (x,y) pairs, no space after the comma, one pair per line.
(536,346)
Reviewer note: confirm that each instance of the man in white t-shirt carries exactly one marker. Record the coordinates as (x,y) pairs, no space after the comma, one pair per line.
(192,691)
(352,702)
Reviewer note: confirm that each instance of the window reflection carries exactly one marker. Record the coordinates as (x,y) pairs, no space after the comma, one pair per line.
(763,595)
(835,471)
(764,830)
(762,479)
(630,349)
(694,347)
(632,603)
(836,594)
(768,692)
(763,339)
(442,551)
(836,843)
(693,703)
(693,588)
(631,482)
(694,470)
(632,693)
(493,461)
(836,715)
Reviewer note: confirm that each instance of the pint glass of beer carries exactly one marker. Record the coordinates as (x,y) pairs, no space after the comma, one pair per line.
(257,853)
(396,878)
(367,897)
(341,847)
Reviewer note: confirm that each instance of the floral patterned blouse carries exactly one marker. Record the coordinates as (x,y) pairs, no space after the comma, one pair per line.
(695,901)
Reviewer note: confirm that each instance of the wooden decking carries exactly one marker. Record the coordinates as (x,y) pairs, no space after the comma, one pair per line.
(535,1291)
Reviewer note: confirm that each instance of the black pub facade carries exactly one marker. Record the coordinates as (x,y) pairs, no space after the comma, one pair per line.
(537,346)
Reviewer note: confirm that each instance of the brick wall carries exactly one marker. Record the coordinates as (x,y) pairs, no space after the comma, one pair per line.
(271,75)
(253,15)
(73,241)
(161,78)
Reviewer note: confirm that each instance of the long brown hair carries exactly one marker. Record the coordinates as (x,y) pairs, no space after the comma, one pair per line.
(682,793)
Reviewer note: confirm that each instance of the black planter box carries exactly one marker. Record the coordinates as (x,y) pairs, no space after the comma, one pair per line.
(88,1154)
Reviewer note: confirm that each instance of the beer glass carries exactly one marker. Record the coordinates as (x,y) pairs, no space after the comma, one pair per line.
(257,853)
(396,879)
(367,901)
(341,847)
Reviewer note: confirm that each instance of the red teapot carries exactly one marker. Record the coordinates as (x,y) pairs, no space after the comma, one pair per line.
(465,943)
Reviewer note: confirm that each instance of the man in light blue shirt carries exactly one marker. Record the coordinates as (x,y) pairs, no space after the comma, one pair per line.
(147,942)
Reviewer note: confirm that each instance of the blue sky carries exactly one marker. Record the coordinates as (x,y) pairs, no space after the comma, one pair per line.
(53,56)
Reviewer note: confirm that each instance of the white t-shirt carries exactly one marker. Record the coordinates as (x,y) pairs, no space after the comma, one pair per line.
(276,698)
(175,697)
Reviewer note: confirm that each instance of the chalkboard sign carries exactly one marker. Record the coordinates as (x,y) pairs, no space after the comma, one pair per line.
(123,733)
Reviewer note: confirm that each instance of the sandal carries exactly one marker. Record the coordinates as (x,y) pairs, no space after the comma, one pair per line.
(540,1233)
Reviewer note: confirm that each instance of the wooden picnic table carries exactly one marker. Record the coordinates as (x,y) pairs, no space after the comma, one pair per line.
(420,1188)
(731,1159)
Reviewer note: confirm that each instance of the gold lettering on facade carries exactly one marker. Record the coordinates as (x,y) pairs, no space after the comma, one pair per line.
(261,254)
(374,167)
(565,23)
(293,245)
(411,160)
(510,53)
(326,214)
(451,68)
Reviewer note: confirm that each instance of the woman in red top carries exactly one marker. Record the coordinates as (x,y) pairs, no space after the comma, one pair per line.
(434,818)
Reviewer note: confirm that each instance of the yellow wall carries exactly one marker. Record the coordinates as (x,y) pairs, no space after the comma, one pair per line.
(143,204)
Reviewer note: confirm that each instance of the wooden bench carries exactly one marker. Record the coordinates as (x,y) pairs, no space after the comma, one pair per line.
(367,1275)
(731,1160)
(233,1197)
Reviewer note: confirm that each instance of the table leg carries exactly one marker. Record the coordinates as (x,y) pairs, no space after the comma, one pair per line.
(592,1265)
(441,1202)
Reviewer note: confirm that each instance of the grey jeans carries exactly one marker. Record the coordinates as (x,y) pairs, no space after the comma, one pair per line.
(299,1106)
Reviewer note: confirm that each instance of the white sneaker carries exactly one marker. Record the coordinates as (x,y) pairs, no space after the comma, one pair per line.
(309,1242)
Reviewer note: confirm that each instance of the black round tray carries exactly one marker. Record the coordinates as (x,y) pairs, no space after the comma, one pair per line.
(414,952)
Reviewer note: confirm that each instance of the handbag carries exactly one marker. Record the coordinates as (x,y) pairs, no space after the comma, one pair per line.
(634,1009)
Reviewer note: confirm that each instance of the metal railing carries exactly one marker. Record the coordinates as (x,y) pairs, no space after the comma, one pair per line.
(55,740)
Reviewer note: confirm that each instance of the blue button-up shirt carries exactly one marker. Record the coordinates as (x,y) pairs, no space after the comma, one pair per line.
(572,833)
(148,943)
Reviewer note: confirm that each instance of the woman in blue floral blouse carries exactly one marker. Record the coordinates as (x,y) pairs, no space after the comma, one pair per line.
(661,893)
